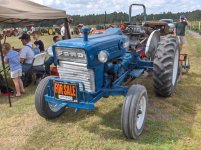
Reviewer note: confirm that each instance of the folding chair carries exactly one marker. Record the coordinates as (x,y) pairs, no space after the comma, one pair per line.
(49,51)
(38,67)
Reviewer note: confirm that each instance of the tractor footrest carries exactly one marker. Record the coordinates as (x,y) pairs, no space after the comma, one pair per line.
(136,73)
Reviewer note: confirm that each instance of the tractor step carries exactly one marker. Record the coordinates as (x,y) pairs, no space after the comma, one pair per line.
(136,73)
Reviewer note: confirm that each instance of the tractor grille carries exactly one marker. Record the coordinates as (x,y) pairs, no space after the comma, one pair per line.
(77,72)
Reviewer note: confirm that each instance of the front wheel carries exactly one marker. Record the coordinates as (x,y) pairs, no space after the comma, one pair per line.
(134,112)
(46,109)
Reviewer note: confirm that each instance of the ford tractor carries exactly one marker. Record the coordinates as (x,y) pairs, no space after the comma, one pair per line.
(97,66)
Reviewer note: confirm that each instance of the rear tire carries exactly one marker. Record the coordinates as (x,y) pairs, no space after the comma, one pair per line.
(45,109)
(50,31)
(166,66)
(134,112)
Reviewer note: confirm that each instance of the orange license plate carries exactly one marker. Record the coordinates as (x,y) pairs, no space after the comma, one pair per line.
(65,91)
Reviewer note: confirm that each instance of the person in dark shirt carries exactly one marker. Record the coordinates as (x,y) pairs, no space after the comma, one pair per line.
(39,44)
(180,28)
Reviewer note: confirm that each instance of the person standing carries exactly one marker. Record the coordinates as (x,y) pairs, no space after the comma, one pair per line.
(63,32)
(12,58)
(32,29)
(180,28)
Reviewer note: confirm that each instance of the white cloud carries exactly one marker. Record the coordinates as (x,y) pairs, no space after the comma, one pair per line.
(83,7)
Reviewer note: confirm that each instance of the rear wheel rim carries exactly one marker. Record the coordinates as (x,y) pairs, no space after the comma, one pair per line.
(175,67)
(54,107)
(187,63)
(141,112)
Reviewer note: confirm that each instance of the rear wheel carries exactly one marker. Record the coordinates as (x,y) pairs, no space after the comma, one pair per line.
(46,109)
(51,31)
(166,66)
(134,112)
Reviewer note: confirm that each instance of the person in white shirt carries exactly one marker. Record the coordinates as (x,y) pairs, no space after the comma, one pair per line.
(26,53)
(33,29)
(26,58)
(63,32)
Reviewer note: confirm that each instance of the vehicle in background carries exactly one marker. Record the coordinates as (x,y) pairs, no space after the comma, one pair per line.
(170,23)
(11,32)
(54,30)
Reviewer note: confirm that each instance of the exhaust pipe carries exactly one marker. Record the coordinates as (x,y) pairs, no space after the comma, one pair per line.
(85,31)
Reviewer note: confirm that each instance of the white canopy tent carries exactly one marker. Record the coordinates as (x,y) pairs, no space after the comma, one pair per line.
(25,11)
(13,11)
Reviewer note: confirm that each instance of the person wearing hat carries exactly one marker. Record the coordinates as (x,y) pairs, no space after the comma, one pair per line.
(26,57)
(180,28)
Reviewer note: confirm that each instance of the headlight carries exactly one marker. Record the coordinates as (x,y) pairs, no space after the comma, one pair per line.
(103,56)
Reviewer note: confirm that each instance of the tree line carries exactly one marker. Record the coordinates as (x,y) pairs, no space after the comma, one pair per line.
(117,17)
(113,18)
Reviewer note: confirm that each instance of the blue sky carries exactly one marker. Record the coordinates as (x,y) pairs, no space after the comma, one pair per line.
(83,7)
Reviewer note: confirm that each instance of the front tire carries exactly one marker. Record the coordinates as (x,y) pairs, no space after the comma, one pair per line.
(45,109)
(134,112)
(166,66)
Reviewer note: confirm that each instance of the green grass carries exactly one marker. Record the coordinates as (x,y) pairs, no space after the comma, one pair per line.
(195,26)
(172,123)
(195,43)
(15,42)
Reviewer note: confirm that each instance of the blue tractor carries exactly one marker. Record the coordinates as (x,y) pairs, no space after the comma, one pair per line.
(97,66)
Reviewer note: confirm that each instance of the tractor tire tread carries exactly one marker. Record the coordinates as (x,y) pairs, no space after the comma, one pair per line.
(41,105)
(163,64)
(129,106)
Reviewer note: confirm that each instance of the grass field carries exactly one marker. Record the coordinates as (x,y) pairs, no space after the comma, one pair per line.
(196,26)
(172,123)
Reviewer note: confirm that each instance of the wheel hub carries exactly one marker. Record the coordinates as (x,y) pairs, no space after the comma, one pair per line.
(175,68)
(54,107)
(141,112)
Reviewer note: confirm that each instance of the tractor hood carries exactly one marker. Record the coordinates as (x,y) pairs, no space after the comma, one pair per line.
(112,41)
(112,35)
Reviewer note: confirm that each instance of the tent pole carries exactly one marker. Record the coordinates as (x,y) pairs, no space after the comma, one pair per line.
(67,29)
(4,70)
(4,39)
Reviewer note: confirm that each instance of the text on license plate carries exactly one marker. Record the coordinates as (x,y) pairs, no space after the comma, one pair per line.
(65,91)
